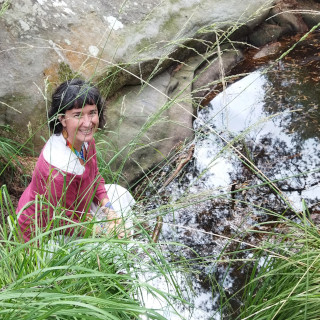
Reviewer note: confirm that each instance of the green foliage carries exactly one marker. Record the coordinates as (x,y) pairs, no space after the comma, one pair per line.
(66,73)
(285,285)
(9,149)
(14,169)
(4,7)
(58,277)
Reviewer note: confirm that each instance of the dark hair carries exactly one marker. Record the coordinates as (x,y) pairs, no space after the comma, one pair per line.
(75,93)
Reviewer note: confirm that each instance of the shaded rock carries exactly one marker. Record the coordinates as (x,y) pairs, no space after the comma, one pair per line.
(145,124)
(310,12)
(311,19)
(268,50)
(266,33)
(285,15)
(208,75)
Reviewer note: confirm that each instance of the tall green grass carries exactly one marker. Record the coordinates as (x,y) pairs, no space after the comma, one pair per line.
(4,7)
(9,149)
(285,285)
(58,277)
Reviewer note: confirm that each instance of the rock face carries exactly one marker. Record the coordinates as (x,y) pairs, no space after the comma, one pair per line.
(153,46)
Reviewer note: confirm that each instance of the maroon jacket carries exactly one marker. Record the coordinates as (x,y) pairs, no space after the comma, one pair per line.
(66,188)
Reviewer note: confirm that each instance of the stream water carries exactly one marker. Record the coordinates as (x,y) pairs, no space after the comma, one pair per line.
(257,149)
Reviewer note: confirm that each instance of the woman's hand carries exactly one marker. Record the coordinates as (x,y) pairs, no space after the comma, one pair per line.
(113,225)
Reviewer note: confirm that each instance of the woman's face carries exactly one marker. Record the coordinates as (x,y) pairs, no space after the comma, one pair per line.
(80,124)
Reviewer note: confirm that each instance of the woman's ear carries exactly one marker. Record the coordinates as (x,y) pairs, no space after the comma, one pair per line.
(62,119)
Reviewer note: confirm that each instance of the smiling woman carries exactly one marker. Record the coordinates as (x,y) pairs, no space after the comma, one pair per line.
(66,176)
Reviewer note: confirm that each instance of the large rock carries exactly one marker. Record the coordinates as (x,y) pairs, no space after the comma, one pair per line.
(310,12)
(119,43)
(151,122)
(286,17)
(285,14)
(211,70)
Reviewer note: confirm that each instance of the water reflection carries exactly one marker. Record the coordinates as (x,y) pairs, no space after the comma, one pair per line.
(256,153)
(295,87)
(250,159)
(268,134)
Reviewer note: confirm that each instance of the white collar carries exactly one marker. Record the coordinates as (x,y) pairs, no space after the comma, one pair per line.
(58,154)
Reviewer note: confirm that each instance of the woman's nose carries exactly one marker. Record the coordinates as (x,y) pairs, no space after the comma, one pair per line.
(86,120)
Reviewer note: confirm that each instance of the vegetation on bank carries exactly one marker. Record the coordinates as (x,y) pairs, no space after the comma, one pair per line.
(58,277)
(284,282)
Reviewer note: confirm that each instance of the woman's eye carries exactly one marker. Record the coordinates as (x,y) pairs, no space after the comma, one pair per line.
(77,115)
